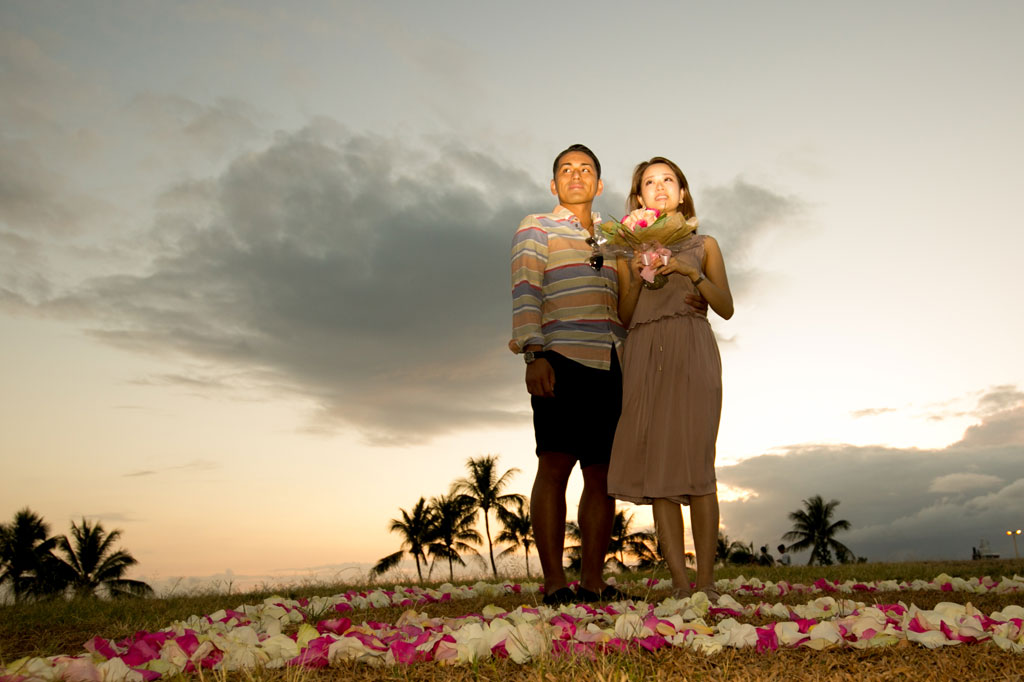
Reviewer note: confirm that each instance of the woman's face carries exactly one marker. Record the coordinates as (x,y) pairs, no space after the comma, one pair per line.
(659,188)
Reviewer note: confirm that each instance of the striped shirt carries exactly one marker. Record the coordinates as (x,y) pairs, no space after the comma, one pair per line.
(558,300)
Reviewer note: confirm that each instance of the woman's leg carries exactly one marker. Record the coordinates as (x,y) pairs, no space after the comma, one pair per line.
(704,517)
(668,521)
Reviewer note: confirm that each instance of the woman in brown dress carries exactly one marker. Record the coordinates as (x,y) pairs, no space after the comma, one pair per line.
(664,450)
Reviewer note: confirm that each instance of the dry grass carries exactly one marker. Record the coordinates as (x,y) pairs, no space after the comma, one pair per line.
(50,628)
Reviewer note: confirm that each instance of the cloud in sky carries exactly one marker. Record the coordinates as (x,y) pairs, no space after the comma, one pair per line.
(363,273)
(903,504)
(108,518)
(742,215)
(963,482)
(871,412)
(194,465)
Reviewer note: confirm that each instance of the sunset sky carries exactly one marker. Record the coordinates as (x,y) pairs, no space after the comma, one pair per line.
(254,286)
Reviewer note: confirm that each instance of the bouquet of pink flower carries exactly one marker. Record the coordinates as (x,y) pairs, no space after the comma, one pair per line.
(641,218)
(645,225)
(648,235)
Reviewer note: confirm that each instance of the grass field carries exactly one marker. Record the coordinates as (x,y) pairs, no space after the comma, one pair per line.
(62,627)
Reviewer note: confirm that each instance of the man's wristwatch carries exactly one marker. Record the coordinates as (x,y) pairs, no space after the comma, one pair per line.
(531,355)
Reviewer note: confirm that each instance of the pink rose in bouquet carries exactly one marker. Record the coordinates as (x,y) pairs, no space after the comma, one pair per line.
(640,218)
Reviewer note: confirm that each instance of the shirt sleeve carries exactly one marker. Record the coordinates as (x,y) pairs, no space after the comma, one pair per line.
(529,261)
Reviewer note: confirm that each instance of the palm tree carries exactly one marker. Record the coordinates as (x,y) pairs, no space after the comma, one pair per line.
(518,530)
(648,552)
(642,544)
(416,530)
(742,553)
(90,561)
(26,556)
(813,527)
(625,542)
(484,486)
(574,552)
(733,551)
(723,547)
(453,530)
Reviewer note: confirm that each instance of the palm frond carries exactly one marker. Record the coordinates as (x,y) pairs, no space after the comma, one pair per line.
(385,564)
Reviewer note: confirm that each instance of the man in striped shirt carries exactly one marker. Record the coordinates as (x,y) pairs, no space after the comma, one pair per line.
(566,325)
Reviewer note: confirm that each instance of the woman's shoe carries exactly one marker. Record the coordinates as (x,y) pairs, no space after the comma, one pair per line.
(712,594)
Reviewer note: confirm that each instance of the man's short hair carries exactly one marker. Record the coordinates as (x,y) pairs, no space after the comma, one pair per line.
(577,148)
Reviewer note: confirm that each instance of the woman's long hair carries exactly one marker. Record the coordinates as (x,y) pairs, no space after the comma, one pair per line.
(633,200)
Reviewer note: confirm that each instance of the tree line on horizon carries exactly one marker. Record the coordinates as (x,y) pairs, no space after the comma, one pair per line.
(444,529)
(37,565)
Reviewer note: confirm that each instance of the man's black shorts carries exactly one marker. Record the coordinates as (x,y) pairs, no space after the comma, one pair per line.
(580,419)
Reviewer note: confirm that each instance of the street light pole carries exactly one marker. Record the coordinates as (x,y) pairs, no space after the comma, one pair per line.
(1014,534)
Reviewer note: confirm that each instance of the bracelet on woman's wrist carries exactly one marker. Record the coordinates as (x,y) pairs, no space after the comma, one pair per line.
(697,281)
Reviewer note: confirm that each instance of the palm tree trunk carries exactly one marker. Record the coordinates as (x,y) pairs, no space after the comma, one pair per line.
(490,545)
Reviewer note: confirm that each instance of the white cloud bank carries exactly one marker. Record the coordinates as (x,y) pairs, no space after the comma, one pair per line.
(903,504)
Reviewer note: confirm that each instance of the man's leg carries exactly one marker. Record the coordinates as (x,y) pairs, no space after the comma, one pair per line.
(547,512)
(596,512)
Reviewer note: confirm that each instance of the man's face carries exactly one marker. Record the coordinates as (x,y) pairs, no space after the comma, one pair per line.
(576,180)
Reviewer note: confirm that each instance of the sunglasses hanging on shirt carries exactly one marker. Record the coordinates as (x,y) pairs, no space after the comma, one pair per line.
(596,259)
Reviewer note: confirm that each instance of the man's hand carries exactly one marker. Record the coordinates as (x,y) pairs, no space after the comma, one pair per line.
(697,302)
(540,378)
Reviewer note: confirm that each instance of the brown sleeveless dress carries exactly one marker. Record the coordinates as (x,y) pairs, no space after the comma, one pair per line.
(671,396)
